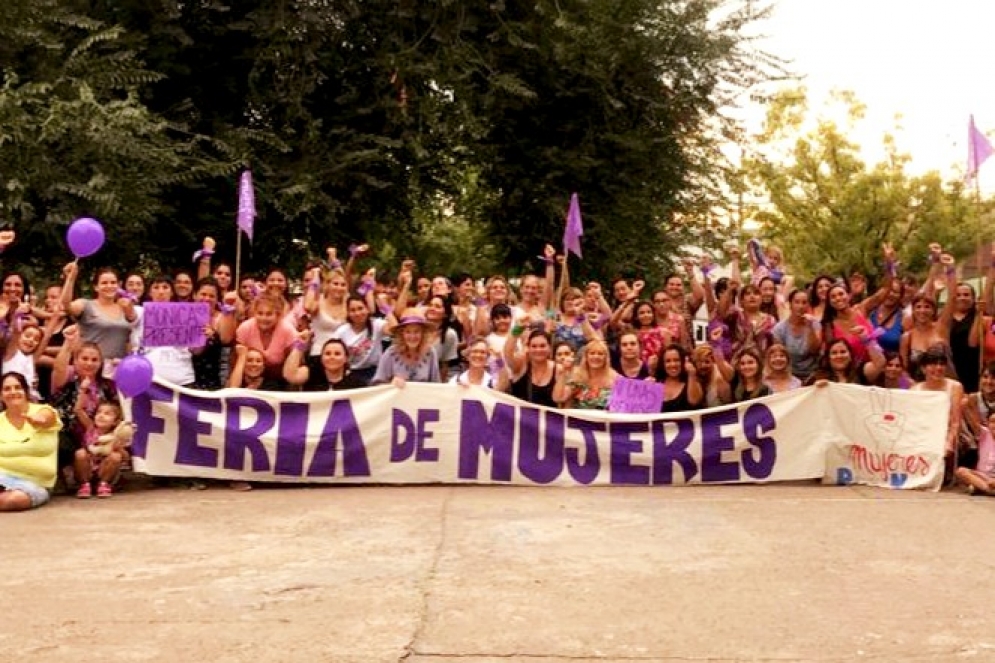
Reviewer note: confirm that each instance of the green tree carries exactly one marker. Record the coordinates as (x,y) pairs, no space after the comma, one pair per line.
(830,211)
(361,119)
(76,139)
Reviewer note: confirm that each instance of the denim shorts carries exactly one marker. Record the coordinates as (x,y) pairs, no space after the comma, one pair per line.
(36,493)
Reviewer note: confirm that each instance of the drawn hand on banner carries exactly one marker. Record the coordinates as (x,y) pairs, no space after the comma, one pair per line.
(883,424)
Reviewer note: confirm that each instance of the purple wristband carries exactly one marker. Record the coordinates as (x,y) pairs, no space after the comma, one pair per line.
(891,267)
(313,285)
(548,261)
(225,309)
(365,287)
(299,345)
(203,253)
(124,294)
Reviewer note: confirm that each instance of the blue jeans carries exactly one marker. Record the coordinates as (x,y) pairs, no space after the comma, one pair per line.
(36,493)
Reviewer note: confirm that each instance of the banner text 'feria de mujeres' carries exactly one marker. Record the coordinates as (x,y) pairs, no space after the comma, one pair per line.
(447,434)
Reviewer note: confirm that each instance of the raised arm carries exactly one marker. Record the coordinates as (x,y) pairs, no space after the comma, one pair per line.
(513,359)
(295,369)
(935,256)
(874,367)
(697,291)
(238,369)
(312,295)
(947,313)
(549,292)
(695,393)
(79,407)
(73,307)
(203,258)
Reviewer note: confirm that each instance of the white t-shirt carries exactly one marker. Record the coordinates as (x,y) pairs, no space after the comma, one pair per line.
(464,379)
(447,346)
(172,364)
(365,349)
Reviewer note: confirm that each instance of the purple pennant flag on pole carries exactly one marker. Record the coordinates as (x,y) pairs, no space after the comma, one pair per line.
(978,149)
(246,204)
(574,229)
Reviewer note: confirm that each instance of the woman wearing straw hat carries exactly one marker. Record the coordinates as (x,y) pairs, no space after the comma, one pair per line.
(412,356)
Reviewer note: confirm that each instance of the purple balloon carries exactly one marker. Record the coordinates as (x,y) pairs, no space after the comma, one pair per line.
(85,237)
(133,376)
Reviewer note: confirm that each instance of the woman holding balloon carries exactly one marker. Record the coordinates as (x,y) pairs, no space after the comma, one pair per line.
(107,319)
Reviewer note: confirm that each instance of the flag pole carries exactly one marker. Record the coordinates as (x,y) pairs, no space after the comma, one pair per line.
(981,278)
(238,257)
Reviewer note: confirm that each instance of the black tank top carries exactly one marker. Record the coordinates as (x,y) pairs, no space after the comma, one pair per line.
(523,389)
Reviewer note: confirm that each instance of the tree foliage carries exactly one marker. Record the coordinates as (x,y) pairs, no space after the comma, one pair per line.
(366,120)
(830,210)
(76,139)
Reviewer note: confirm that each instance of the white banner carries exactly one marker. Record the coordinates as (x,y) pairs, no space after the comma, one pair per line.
(428,433)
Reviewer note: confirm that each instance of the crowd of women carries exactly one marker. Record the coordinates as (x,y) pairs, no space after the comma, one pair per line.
(551,343)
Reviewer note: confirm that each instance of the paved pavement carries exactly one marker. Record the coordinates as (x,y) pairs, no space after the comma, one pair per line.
(442,574)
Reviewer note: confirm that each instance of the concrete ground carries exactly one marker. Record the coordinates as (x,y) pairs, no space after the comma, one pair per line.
(442,574)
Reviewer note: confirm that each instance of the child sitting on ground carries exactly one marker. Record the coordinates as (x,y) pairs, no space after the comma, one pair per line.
(96,457)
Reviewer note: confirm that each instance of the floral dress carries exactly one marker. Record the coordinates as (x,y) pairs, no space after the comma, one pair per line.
(590,398)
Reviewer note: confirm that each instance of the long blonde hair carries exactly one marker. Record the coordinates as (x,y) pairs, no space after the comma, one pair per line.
(582,373)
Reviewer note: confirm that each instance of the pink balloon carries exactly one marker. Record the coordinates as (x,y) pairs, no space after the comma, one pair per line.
(133,375)
(85,237)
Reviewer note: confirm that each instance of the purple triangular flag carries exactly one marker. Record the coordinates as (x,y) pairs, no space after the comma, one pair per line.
(574,229)
(978,149)
(246,204)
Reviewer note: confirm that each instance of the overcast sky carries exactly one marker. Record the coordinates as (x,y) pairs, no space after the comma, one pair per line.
(934,63)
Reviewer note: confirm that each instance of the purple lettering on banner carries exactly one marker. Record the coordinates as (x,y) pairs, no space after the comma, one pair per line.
(494,435)
(587,471)
(401,449)
(341,423)
(425,454)
(759,463)
(146,423)
(546,468)
(623,446)
(713,443)
(188,452)
(291,439)
(238,440)
(668,452)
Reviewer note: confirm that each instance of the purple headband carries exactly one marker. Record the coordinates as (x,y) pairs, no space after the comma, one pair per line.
(411,320)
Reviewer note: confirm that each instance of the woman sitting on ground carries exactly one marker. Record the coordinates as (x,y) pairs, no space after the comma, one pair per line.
(29,445)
